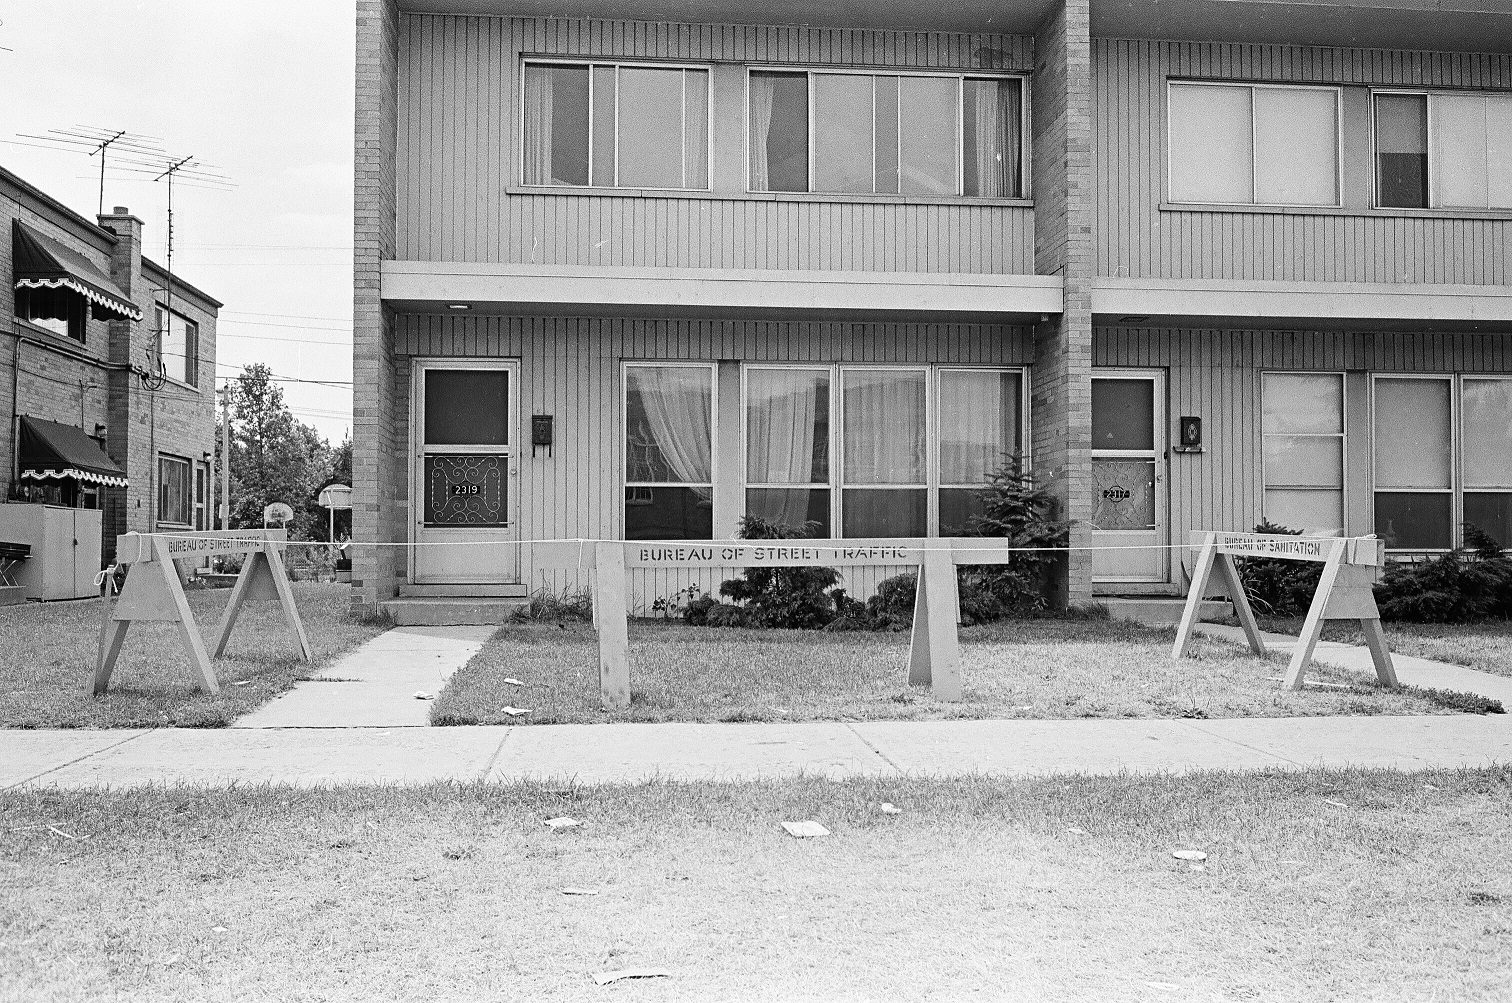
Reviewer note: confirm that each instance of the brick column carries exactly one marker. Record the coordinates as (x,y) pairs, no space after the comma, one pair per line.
(1061,403)
(378,448)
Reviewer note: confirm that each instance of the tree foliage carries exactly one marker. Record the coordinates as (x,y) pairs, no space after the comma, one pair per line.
(275,457)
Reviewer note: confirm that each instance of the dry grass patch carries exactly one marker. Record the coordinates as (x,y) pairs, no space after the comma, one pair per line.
(1028,669)
(1318,886)
(47,656)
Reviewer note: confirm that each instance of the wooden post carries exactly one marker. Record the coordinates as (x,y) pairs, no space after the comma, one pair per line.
(1200,575)
(610,614)
(934,657)
(1312,627)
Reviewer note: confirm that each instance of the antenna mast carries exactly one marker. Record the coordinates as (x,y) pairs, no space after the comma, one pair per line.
(130,147)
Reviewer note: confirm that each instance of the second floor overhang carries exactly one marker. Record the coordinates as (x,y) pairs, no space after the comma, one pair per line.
(1375,305)
(582,290)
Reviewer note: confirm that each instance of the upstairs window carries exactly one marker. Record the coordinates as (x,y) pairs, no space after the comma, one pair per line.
(608,125)
(886,134)
(1253,144)
(178,340)
(1443,151)
(60,311)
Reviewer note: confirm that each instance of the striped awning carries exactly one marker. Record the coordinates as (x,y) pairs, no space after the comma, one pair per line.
(43,263)
(54,452)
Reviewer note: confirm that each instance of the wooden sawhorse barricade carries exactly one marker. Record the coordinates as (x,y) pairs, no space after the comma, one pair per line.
(934,657)
(1351,566)
(153,592)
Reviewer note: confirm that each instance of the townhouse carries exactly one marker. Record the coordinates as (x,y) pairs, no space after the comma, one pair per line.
(1202,264)
(109,384)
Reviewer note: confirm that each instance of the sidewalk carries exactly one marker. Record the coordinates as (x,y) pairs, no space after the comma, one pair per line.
(381,737)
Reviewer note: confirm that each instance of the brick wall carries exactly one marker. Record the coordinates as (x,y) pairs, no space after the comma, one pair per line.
(378,465)
(1061,406)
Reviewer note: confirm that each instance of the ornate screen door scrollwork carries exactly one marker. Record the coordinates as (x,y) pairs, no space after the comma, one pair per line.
(464,485)
(1128,476)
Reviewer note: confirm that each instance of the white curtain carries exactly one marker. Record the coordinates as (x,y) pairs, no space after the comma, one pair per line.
(976,425)
(676,401)
(997,140)
(884,427)
(763,88)
(538,125)
(780,439)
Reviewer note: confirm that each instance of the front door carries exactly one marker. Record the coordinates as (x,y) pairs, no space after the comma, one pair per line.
(463,484)
(1128,477)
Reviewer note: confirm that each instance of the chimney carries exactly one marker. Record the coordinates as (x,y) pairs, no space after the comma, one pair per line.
(126,272)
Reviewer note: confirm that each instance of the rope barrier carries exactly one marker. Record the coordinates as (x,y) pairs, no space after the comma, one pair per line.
(582,542)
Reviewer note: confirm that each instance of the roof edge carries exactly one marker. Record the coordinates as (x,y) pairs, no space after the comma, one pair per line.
(89,230)
(179,285)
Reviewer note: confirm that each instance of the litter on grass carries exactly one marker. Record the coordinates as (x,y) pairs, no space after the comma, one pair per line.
(604,978)
(579,891)
(807,829)
(1336,804)
(514,711)
(1194,855)
(888,808)
(563,822)
(1077,831)
(239,682)
(422,695)
(512,681)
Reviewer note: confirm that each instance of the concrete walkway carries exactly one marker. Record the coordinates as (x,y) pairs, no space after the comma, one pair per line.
(370,731)
(375,685)
(1355,658)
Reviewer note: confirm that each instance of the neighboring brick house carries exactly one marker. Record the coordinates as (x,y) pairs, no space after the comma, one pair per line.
(109,370)
(1203,264)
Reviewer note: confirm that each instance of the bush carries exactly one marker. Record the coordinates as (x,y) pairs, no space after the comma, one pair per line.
(1276,587)
(789,598)
(1458,587)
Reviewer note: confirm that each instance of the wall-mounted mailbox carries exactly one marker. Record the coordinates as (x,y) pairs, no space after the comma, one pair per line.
(541,432)
(1189,434)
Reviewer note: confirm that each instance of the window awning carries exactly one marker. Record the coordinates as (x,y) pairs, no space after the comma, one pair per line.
(43,263)
(50,451)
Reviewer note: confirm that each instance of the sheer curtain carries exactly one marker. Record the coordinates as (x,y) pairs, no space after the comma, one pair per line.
(994,107)
(884,426)
(538,122)
(780,440)
(763,87)
(676,401)
(976,425)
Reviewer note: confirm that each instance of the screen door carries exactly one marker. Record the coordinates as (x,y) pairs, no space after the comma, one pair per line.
(1128,476)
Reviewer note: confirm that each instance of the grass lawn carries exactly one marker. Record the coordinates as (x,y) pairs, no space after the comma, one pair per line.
(47,656)
(1486,646)
(1317,886)
(1030,669)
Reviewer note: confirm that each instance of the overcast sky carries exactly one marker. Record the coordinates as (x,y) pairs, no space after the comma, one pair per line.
(261,90)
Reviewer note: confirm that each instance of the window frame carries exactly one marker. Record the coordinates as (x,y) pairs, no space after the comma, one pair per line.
(590,63)
(191,360)
(1343,436)
(1026,144)
(1253,85)
(626,484)
(187,465)
(1460,487)
(75,325)
(836,485)
(1431,135)
(1456,517)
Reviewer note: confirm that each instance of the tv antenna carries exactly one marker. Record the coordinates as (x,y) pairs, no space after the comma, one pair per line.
(125,147)
(205,175)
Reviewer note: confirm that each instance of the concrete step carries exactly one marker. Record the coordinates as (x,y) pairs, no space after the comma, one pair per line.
(451,612)
(1154,610)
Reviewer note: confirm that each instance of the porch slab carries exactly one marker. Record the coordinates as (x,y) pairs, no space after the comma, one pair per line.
(442,611)
(1157,610)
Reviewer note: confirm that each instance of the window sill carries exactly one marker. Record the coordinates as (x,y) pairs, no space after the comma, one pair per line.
(955,200)
(26,328)
(1363,213)
(182,385)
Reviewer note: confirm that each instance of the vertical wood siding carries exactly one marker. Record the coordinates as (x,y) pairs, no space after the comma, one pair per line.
(1137,239)
(1216,375)
(457,155)
(570,367)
